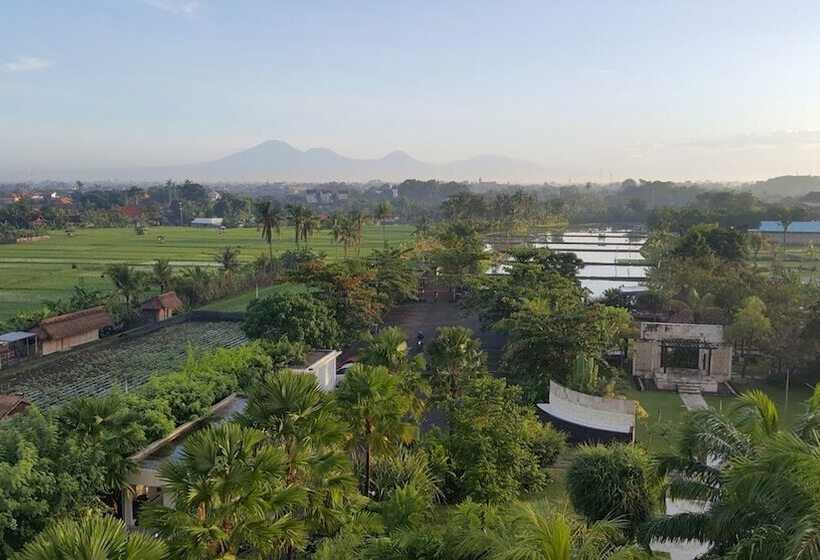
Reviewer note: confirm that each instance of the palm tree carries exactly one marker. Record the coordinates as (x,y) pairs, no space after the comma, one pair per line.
(229,494)
(349,234)
(454,357)
(299,418)
(297,216)
(423,228)
(701,307)
(228,257)
(309,226)
(127,280)
(535,531)
(383,212)
(389,349)
(108,424)
(377,407)
(193,284)
(787,217)
(97,538)
(269,220)
(336,221)
(714,453)
(162,274)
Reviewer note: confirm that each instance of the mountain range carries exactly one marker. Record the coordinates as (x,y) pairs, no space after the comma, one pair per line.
(278,161)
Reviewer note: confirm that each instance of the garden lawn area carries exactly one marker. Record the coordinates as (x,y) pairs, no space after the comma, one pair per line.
(45,270)
(240,302)
(799,392)
(99,367)
(664,409)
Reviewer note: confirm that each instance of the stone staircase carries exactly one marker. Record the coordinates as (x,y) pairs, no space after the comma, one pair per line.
(689,388)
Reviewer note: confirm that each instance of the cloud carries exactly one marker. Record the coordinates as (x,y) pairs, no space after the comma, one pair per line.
(185,8)
(775,139)
(26,63)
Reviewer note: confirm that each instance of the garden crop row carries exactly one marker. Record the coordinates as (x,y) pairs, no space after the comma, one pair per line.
(126,363)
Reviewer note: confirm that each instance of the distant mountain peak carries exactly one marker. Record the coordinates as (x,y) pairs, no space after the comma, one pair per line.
(275,160)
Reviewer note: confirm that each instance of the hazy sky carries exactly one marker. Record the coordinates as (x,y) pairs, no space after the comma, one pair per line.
(719,89)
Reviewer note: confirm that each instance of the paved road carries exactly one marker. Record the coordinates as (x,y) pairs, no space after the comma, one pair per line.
(427,317)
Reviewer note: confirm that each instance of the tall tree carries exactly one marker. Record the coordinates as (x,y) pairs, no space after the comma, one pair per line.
(230,498)
(127,280)
(453,358)
(269,218)
(749,328)
(162,274)
(228,257)
(106,423)
(301,419)
(97,538)
(382,214)
(376,406)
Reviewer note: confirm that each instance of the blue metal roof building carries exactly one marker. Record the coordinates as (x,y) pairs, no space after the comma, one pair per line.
(794,227)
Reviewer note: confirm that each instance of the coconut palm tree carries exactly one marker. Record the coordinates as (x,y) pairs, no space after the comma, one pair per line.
(162,274)
(299,418)
(726,460)
(701,307)
(453,358)
(193,283)
(377,408)
(309,226)
(230,497)
(268,221)
(228,257)
(335,222)
(127,280)
(97,538)
(383,212)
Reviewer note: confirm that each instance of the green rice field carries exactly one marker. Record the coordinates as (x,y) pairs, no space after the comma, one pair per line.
(42,270)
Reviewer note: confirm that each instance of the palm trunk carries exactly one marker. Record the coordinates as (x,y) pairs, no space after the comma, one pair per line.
(367,430)
(367,470)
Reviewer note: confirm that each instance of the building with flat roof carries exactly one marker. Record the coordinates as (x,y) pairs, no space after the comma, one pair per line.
(798,234)
(682,357)
(207,222)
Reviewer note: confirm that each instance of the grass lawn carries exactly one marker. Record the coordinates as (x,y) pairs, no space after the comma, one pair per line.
(33,272)
(240,302)
(664,409)
(799,392)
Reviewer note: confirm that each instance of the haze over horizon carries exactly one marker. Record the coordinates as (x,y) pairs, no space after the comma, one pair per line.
(587,90)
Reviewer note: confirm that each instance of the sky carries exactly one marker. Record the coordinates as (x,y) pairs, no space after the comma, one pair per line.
(654,89)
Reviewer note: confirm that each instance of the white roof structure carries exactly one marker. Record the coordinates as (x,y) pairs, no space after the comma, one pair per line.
(598,413)
(216,222)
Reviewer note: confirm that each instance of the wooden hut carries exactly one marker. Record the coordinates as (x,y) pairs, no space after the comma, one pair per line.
(73,329)
(161,307)
(12,404)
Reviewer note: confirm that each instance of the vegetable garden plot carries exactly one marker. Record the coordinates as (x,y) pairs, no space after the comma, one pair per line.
(122,363)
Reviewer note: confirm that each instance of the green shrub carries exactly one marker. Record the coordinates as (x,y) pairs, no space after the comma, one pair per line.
(619,481)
